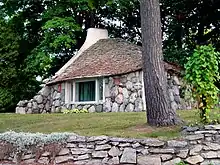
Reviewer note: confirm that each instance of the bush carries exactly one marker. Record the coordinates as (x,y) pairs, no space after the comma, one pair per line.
(37,143)
(202,73)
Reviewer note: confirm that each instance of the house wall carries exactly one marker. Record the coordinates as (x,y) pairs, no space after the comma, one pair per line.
(122,93)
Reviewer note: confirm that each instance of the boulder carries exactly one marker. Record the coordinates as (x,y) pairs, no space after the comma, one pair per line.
(107,106)
(115,107)
(172,162)
(129,85)
(194,159)
(125,93)
(38,99)
(195,150)
(99,154)
(133,97)
(20,110)
(128,156)
(148,160)
(114,151)
(177,144)
(45,91)
(138,106)
(102,147)
(129,108)
(92,109)
(119,99)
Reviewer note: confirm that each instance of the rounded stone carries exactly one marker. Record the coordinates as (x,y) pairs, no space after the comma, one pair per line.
(57,103)
(41,106)
(35,106)
(39,99)
(133,97)
(114,92)
(122,108)
(107,106)
(138,106)
(29,105)
(120,90)
(115,107)
(45,91)
(129,85)
(20,110)
(92,109)
(125,93)
(119,99)
(129,108)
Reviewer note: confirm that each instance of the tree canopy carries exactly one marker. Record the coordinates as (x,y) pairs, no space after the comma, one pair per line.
(38,37)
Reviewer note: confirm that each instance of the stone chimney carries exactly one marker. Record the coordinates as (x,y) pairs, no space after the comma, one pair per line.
(93,35)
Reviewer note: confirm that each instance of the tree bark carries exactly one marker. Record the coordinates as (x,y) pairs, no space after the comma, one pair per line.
(159,112)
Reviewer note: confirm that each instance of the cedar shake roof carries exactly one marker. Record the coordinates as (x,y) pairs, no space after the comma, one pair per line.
(104,58)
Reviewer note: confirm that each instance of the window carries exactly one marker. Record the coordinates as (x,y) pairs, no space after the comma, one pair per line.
(85,91)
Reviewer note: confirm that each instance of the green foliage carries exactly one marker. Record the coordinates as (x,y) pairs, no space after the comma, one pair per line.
(60,33)
(75,111)
(202,73)
(17,82)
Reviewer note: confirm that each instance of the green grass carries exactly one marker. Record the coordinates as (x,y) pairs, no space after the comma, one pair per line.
(112,124)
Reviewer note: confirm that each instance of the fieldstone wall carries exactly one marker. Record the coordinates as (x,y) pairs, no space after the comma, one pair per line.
(90,107)
(39,104)
(198,146)
(123,93)
(47,100)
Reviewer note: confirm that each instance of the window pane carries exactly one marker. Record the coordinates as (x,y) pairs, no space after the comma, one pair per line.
(77,92)
(85,91)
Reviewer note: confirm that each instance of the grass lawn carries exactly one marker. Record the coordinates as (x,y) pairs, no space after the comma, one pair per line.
(112,124)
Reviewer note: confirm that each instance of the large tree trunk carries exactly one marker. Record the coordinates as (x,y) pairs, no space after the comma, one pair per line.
(159,112)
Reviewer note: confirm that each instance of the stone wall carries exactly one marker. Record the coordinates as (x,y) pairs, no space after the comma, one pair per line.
(123,93)
(47,100)
(39,104)
(198,146)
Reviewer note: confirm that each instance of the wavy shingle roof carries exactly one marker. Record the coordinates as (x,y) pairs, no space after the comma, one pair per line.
(104,58)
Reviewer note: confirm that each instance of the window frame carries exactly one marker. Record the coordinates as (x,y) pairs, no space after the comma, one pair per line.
(72,90)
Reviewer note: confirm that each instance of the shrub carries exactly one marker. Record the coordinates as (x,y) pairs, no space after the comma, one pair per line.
(20,143)
(202,73)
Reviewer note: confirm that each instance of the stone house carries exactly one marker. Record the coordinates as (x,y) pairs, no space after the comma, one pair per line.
(104,76)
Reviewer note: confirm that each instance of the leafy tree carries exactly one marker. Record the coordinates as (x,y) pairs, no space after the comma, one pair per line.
(8,56)
(202,73)
(50,32)
(14,84)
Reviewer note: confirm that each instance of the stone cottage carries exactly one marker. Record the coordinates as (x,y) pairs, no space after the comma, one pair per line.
(104,76)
